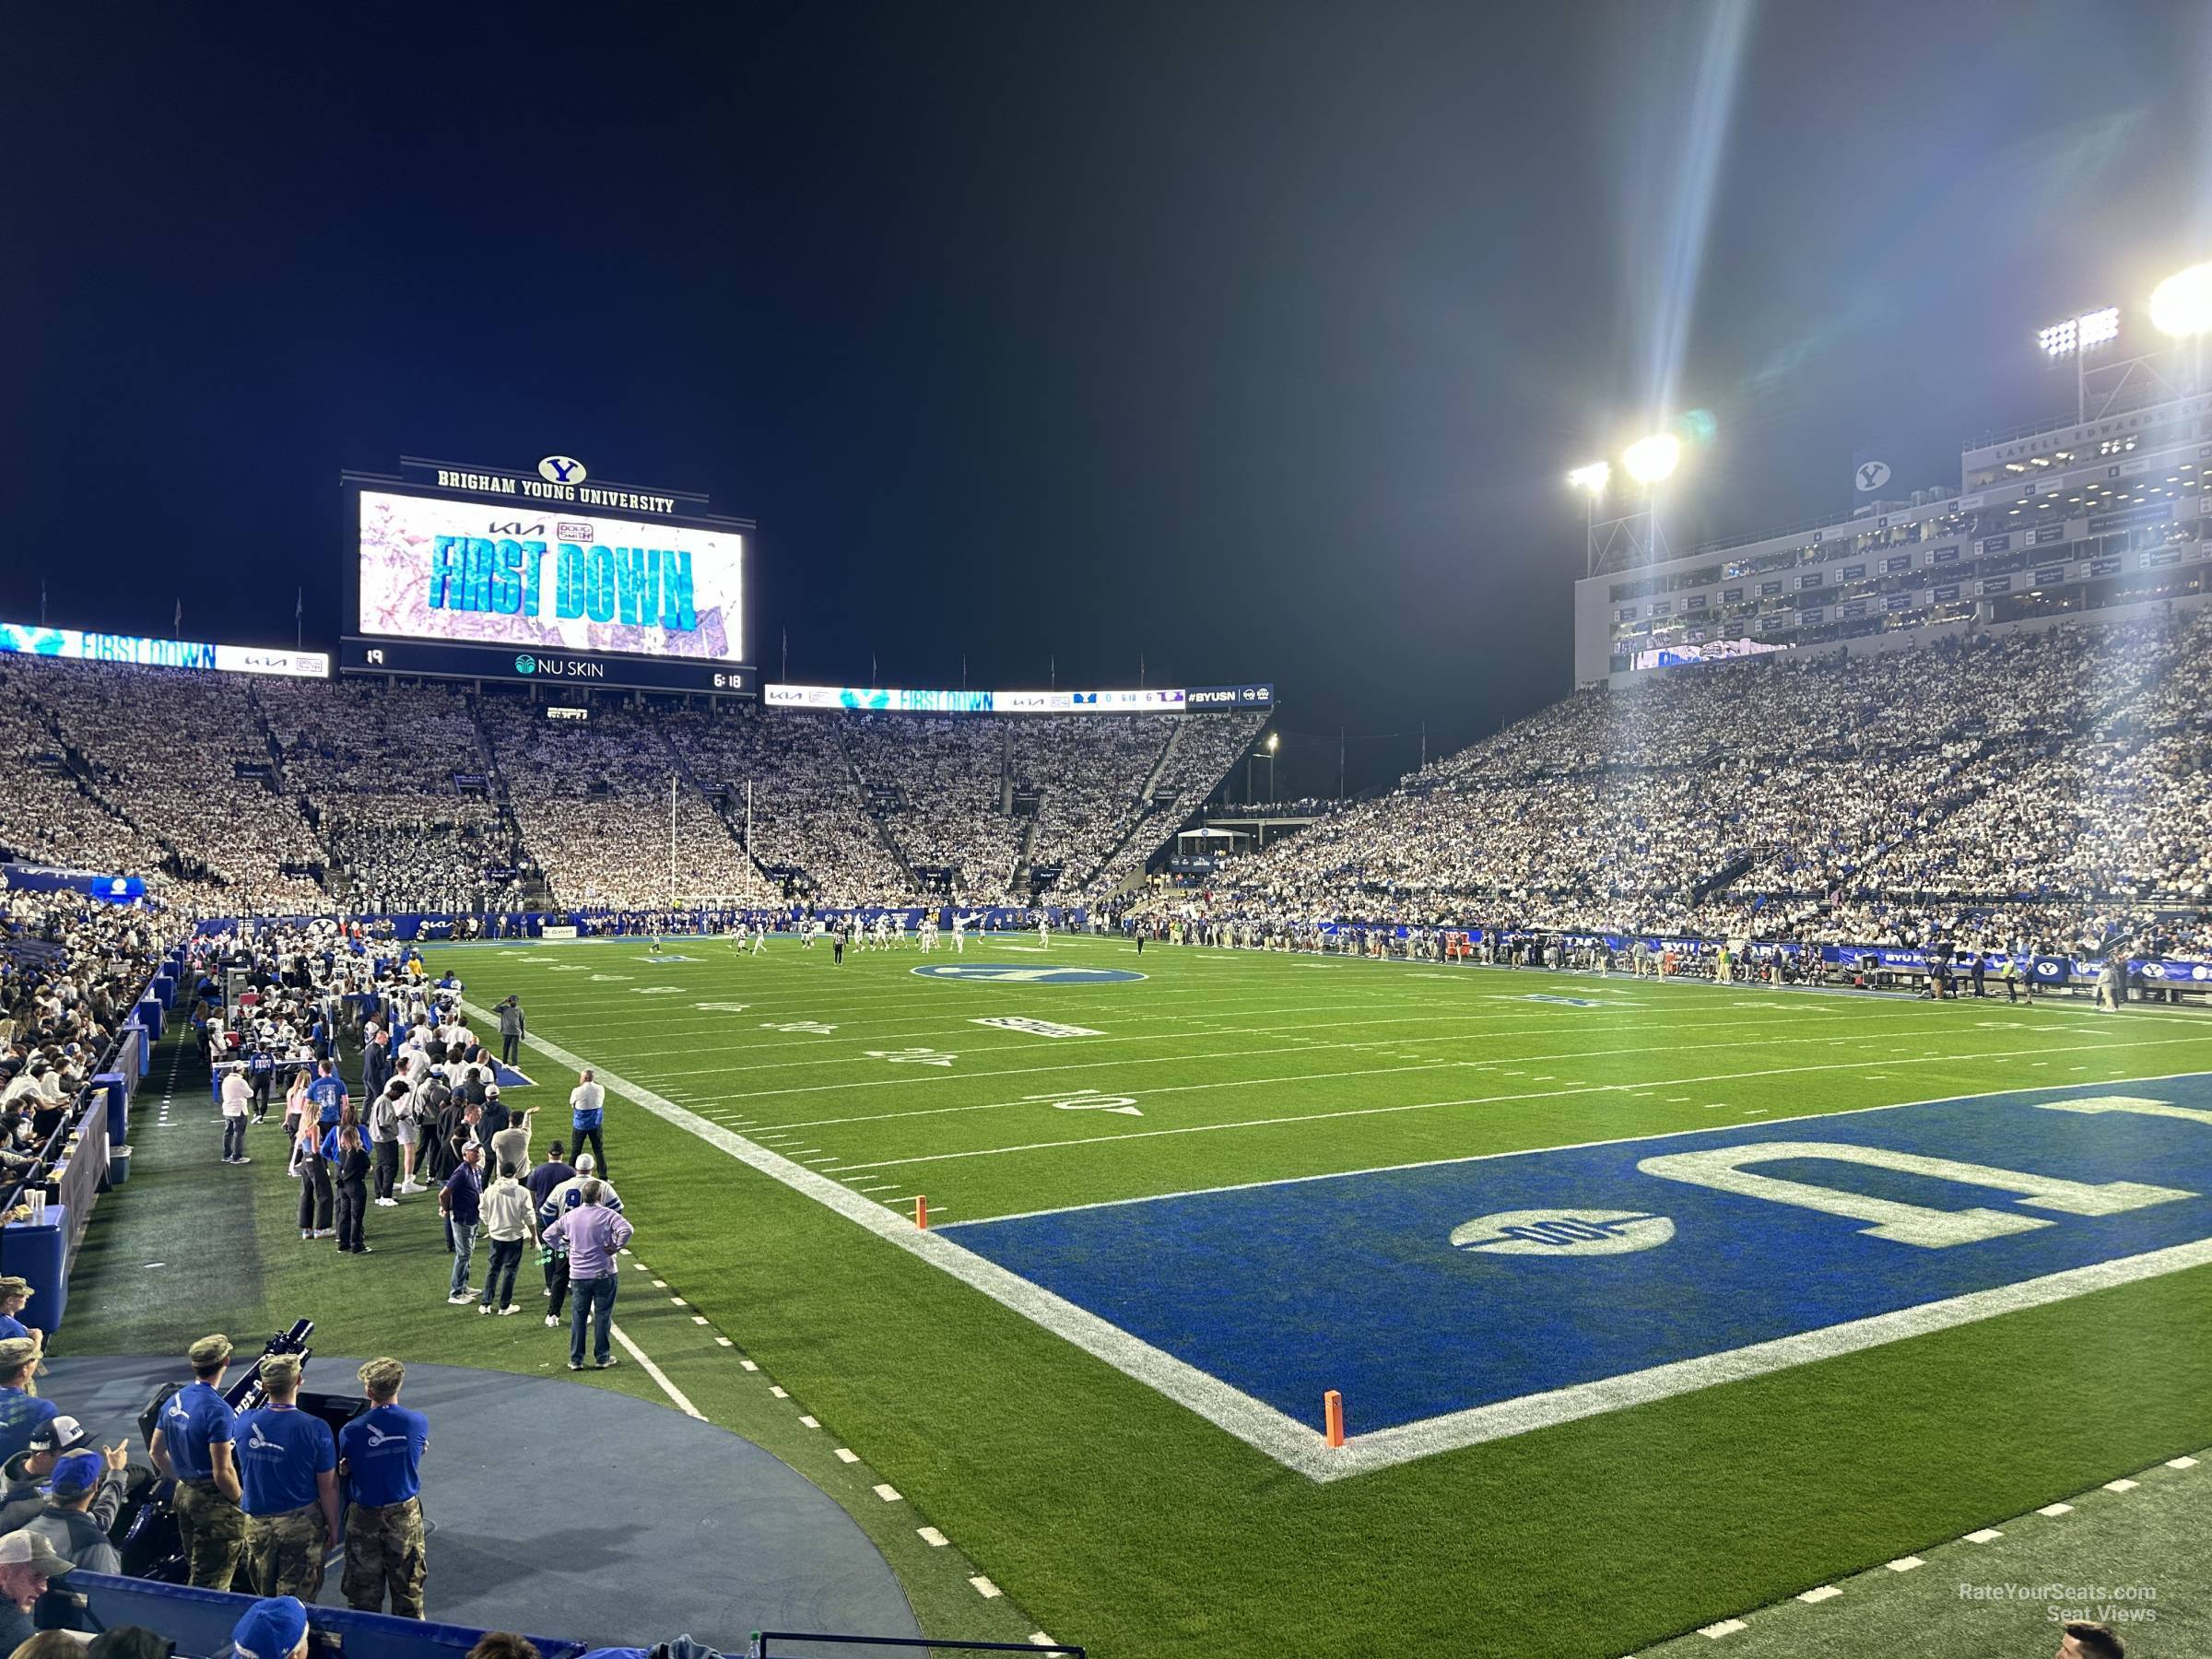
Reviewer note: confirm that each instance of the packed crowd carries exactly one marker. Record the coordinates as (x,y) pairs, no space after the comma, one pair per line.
(237,796)
(2049,788)
(70,969)
(805,807)
(593,799)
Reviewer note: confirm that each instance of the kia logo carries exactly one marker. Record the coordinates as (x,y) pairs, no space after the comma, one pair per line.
(567,469)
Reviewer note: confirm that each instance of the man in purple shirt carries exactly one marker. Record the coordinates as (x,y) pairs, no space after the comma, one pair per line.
(594,1235)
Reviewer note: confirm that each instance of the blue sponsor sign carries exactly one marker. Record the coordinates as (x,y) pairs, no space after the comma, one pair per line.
(1487,1296)
(1024,973)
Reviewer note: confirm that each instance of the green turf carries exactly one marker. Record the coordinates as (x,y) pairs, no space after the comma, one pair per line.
(1118,1519)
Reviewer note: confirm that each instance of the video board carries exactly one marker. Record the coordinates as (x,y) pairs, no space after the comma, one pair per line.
(527,577)
(899,700)
(86,646)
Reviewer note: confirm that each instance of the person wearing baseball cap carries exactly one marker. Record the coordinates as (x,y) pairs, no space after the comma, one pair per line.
(27,1563)
(22,1412)
(30,1471)
(68,1522)
(194,1445)
(14,1293)
(273,1628)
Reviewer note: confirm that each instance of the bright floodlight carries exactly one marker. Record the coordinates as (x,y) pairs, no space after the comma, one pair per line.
(2183,303)
(2100,327)
(1651,459)
(1591,477)
(2085,333)
(1273,739)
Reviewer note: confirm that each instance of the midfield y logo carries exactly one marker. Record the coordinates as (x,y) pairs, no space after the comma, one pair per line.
(1001,973)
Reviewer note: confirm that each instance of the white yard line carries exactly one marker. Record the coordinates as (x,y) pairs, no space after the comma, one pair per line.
(1300,1447)
(1535,1094)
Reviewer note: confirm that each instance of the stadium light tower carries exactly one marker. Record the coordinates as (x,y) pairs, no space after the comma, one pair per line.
(1650,461)
(2078,337)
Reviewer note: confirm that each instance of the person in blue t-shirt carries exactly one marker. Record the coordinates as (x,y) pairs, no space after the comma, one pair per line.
(328,1094)
(288,1464)
(193,1445)
(22,1413)
(380,1454)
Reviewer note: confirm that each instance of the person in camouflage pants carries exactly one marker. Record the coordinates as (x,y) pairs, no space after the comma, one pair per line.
(213,1529)
(383,1546)
(288,1464)
(381,1453)
(285,1553)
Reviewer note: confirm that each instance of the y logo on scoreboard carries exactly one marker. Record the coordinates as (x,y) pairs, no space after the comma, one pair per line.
(561,469)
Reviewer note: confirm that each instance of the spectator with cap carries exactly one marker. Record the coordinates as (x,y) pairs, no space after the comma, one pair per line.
(540,1183)
(28,1564)
(593,1235)
(509,1218)
(462,1202)
(30,1471)
(195,1445)
(72,1523)
(288,1464)
(384,1136)
(274,1628)
(561,1197)
(510,1141)
(380,1452)
(14,1292)
(22,1412)
(236,1096)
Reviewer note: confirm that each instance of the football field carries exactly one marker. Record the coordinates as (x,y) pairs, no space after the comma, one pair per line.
(1647,1303)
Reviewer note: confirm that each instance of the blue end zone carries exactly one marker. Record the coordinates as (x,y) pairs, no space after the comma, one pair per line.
(1357,1283)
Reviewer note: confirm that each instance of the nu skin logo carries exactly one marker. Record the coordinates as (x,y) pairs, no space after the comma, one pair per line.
(561,469)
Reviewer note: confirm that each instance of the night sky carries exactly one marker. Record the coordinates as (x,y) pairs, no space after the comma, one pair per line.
(1251,340)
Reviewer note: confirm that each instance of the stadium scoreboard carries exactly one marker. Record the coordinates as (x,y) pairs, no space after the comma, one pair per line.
(545,575)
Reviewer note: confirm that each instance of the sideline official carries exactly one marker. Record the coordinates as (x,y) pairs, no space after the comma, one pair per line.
(288,1464)
(193,1445)
(381,1453)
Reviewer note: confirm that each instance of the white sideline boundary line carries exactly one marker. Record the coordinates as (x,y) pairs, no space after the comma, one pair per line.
(1305,1450)
(1257,1424)
(683,1402)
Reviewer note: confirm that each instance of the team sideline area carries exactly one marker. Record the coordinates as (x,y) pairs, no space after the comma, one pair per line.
(1173,1200)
